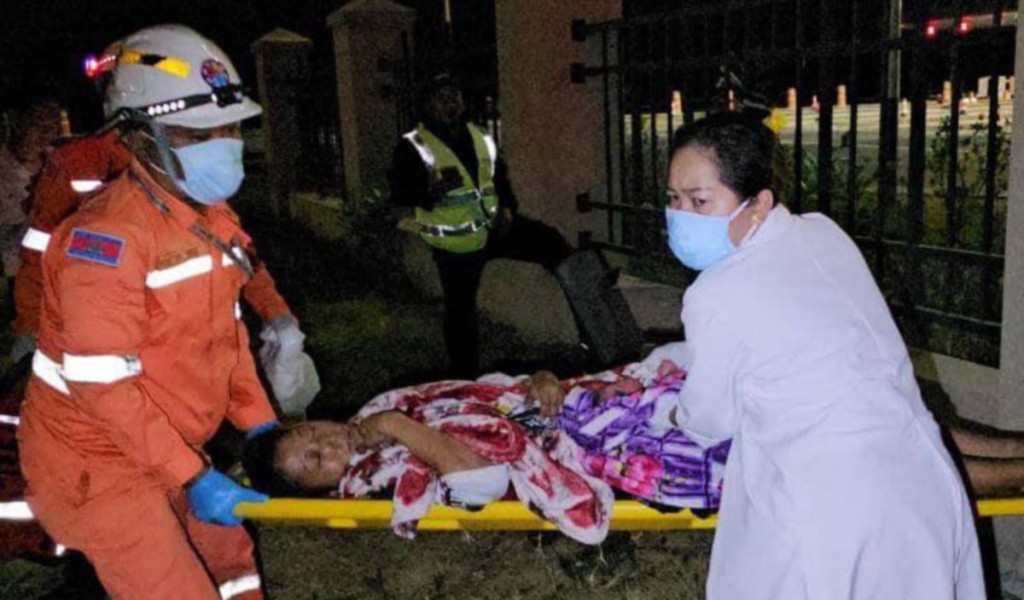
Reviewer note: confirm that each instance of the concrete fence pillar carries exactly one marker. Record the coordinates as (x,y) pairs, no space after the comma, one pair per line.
(282,71)
(367,45)
(1010,532)
(553,130)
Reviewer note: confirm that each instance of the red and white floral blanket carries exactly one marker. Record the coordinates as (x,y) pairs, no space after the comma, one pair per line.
(544,467)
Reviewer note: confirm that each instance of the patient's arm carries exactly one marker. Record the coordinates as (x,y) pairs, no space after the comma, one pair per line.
(993,476)
(975,440)
(438,450)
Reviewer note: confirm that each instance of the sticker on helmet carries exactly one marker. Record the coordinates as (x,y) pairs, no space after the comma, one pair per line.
(215,73)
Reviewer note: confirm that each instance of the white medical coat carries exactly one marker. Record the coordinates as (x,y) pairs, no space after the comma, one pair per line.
(837,485)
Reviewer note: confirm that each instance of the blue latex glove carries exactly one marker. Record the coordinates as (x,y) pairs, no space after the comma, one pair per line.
(261,429)
(214,495)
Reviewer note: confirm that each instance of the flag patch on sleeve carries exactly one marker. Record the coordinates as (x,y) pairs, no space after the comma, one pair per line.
(96,247)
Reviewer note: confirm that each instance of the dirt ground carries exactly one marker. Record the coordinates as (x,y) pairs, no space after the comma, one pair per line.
(322,564)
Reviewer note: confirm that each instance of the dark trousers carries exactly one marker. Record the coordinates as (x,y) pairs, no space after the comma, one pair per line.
(527,240)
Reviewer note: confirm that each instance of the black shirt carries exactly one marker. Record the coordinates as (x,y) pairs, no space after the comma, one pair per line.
(409,178)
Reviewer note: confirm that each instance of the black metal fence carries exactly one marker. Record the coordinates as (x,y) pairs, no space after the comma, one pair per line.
(910,155)
(323,165)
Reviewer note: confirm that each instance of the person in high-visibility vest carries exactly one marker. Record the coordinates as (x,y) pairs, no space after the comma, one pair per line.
(450,172)
(142,353)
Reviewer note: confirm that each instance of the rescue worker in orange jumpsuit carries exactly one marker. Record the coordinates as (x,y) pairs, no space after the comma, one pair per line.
(141,351)
(75,170)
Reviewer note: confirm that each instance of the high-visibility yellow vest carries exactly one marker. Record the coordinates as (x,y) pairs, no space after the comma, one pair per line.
(459,222)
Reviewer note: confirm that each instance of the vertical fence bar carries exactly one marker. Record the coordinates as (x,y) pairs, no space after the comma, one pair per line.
(888,137)
(914,272)
(954,200)
(798,133)
(953,149)
(670,82)
(851,97)
(706,61)
(609,171)
(826,91)
(652,88)
(989,292)
(636,150)
(624,33)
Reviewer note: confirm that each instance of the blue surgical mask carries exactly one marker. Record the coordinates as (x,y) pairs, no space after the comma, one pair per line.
(699,241)
(213,169)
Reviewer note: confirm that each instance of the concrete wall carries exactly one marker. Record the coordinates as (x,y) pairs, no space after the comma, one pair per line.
(552,129)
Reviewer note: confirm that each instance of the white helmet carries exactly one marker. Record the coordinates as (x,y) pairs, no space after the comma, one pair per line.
(177,77)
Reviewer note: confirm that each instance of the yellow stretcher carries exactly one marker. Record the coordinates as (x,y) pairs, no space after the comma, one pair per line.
(507,515)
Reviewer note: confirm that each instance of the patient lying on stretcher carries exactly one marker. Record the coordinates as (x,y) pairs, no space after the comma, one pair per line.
(464,443)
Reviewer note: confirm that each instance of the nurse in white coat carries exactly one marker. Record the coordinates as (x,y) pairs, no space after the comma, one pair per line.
(838,485)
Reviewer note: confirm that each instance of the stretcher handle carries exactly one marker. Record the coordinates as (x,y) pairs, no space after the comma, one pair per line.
(499,516)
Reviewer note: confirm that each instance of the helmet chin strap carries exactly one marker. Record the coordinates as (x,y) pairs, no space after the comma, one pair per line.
(157,132)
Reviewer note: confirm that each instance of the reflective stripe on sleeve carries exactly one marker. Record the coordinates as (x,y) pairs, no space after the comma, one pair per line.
(190,268)
(421,148)
(234,587)
(36,240)
(49,371)
(84,186)
(106,368)
(15,511)
(492,150)
(10,420)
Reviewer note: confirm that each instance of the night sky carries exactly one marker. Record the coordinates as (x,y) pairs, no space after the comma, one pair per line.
(43,42)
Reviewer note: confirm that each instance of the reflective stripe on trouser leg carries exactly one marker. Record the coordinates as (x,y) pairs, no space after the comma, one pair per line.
(240,585)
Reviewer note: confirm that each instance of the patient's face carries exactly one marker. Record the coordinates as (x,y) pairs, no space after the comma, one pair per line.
(315,454)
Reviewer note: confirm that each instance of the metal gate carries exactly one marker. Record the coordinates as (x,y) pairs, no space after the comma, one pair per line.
(893,119)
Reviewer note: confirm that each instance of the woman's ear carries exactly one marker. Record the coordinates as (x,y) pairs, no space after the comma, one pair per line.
(762,204)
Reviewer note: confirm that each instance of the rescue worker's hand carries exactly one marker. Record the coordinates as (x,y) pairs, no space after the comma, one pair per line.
(254,432)
(544,388)
(290,371)
(213,497)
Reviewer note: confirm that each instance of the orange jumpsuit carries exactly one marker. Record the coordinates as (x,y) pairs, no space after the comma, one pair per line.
(72,171)
(141,356)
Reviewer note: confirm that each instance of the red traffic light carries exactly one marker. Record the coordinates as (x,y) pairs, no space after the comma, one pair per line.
(964,26)
(931,30)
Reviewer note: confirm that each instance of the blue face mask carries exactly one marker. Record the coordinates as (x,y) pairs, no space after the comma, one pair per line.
(699,241)
(213,169)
